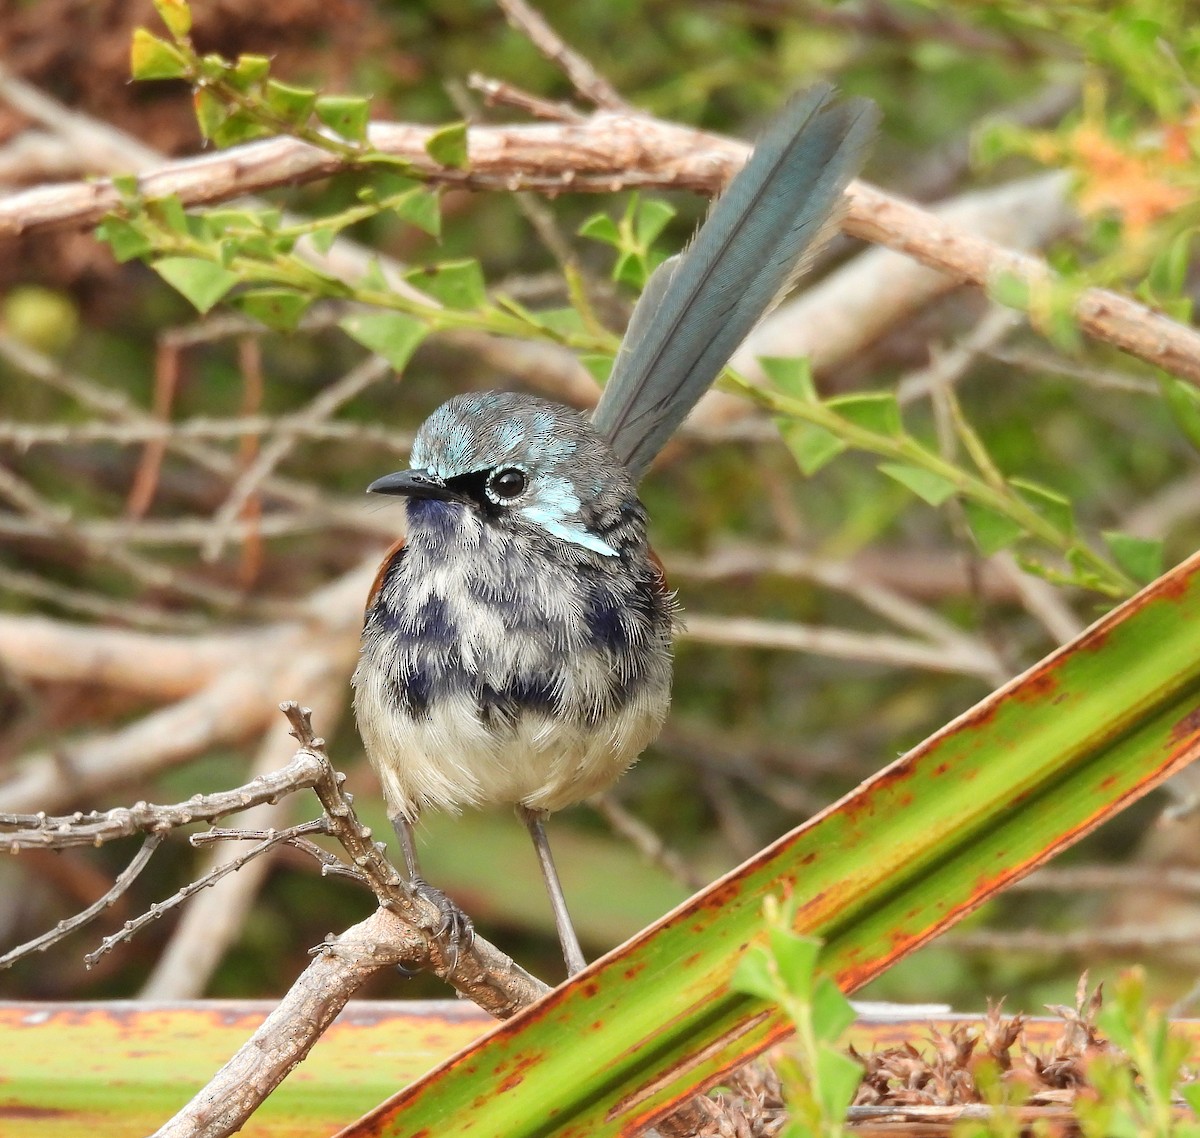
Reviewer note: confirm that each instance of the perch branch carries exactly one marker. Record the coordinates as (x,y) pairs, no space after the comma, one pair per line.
(606,153)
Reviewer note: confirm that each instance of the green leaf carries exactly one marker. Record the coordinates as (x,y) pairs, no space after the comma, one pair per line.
(875,411)
(457,284)
(154,58)
(993,531)
(322,239)
(601,227)
(1010,290)
(928,486)
(344,115)
(202,282)
(563,321)
(249,71)
(128,186)
(448,146)
(792,375)
(210,111)
(278,308)
(837,1080)
(213,67)
(176,15)
(1054,507)
(169,213)
(753,975)
(1183,402)
(125,240)
(373,279)
(795,959)
(392,335)
(1168,271)
(630,269)
(832,1013)
(652,219)
(1140,557)
(292,104)
(811,446)
(419,207)
(238,127)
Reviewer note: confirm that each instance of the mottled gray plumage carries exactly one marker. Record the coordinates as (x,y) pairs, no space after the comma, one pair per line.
(515,652)
(517,646)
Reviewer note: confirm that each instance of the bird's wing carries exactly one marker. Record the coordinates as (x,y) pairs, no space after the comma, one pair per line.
(759,236)
(391,560)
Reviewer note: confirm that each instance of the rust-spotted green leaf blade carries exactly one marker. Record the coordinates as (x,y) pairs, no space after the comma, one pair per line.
(1011,782)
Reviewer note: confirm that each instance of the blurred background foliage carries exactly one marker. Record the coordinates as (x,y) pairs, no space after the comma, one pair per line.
(972,96)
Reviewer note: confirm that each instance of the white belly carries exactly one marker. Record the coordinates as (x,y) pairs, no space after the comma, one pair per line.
(449,758)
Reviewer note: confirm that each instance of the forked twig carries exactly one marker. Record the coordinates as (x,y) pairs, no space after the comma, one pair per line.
(64,928)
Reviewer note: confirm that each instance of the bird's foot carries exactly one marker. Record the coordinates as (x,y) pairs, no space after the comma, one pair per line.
(455,931)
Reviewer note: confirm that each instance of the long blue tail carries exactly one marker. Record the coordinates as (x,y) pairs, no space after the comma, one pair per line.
(759,236)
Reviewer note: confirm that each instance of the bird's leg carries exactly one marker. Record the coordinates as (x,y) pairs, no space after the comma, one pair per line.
(535,823)
(456,926)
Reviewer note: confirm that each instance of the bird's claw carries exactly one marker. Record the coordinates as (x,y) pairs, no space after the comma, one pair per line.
(455,930)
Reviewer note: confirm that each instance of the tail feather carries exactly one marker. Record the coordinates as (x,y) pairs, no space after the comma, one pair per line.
(760,234)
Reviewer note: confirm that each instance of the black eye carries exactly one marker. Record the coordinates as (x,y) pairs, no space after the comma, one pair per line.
(506,483)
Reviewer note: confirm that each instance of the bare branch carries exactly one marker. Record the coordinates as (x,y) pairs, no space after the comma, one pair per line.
(585,78)
(331,865)
(845,644)
(339,968)
(357,380)
(41,831)
(607,153)
(131,927)
(124,880)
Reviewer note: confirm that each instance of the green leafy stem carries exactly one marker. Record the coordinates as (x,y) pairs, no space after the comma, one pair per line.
(1000,512)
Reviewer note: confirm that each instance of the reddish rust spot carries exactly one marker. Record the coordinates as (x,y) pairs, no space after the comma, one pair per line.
(940,769)
(1036,686)
(17,1111)
(1187,726)
(1110,780)
(809,858)
(510,1082)
(590,989)
(634,970)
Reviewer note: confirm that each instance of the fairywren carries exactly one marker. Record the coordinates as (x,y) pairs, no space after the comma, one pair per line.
(517,643)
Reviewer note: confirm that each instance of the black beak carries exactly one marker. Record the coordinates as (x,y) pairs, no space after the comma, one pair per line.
(415,484)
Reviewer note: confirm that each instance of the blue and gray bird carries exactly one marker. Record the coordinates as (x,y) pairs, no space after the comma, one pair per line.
(517,644)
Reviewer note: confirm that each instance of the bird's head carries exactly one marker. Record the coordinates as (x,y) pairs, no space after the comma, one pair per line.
(517,463)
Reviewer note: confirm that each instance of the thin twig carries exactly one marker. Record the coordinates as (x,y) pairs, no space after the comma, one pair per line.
(583,76)
(131,927)
(358,379)
(645,840)
(331,865)
(498,93)
(42,831)
(841,643)
(124,880)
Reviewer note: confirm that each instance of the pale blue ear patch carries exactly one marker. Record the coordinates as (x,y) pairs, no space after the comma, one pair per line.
(555,524)
(555,507)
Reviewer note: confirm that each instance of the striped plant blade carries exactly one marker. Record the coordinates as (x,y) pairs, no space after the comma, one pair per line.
(987,799)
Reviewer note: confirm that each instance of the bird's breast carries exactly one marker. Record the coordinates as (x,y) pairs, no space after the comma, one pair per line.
(482,685)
